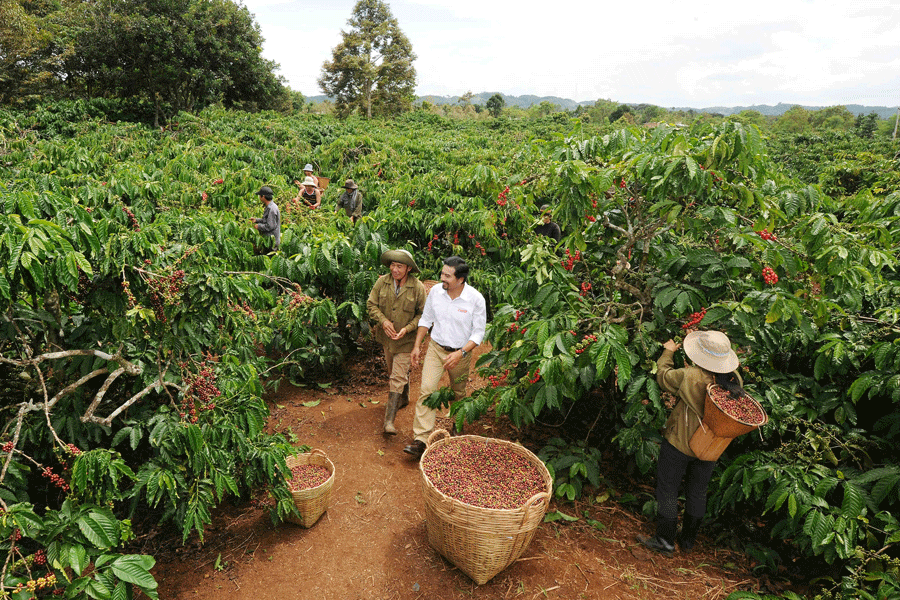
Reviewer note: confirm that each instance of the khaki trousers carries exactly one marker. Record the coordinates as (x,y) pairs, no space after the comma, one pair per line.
(397,369)
(432,371)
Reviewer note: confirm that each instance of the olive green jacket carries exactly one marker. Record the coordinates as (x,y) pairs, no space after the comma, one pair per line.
(403,310)
(689,384)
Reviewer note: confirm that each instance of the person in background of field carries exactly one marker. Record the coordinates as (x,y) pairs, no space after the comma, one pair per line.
(310,194)
(548,227)
(714,361)
(395,304)
(308,172)
(351,200)
(457,316)
(270,223)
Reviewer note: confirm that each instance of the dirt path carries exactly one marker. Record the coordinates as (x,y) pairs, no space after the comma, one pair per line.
(371,544)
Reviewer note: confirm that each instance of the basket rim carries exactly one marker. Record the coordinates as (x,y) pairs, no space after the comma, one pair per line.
(329,465)
(542,468)
(765,418)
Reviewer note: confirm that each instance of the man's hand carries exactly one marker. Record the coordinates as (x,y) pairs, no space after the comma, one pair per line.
(399,334)
(452,360)
(414,357)
(671,345)
(389,329)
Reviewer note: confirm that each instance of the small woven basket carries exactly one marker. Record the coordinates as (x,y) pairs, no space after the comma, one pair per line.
(481,542)
(719,428)
(311,502)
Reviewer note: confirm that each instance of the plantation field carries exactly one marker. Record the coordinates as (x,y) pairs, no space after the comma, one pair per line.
(377,497)
(144,320)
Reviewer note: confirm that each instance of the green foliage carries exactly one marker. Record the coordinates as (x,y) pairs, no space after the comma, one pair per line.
(440,399)
(571,466)
(495,105)
(173,54)
(128,267)
(80,545)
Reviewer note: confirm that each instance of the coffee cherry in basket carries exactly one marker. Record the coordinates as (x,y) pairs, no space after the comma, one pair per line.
(483,474)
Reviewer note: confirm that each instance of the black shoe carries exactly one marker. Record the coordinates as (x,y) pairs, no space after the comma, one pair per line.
(416,448)
(657,544)
(688,534)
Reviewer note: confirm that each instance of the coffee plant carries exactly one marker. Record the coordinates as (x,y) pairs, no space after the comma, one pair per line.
(143,319)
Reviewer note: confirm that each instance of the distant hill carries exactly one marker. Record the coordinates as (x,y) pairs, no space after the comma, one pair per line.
(528,101)
(883,112)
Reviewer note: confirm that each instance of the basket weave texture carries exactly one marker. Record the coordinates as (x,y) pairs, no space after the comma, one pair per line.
(719,428)
(481,542)
(311,502)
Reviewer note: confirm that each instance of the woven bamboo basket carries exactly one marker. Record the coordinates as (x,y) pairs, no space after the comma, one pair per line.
(481,542)
(719,428)
(311,502)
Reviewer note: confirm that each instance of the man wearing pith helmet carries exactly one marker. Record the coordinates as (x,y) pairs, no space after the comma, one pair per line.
(395,305)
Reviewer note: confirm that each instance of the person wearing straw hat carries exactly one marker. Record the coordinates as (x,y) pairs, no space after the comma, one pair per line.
(714,361)
(310,193)
(351,200)
(395,304)
(456,314)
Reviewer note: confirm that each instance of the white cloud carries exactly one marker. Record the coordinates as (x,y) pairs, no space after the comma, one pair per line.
(687,53)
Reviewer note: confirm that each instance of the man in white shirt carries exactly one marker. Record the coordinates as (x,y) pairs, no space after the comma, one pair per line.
(458,315)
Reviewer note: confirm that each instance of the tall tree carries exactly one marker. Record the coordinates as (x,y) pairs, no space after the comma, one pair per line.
(495,105)
(794,120)
(833,117)
(371,70)
(178,54)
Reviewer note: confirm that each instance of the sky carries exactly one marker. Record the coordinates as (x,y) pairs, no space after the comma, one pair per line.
(688,53)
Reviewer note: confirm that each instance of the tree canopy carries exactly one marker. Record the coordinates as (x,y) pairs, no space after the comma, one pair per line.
(175,54)
(495,105)
(371,70)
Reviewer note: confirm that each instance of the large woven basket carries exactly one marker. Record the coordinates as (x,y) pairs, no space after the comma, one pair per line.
(311,502)
(481,542)
(719,428)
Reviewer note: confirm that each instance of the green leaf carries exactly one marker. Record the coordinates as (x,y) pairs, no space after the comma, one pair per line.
(558,515)
(77,558)
(135,569)
(100,528)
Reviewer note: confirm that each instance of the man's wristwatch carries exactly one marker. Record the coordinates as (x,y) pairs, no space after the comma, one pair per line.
(464,353)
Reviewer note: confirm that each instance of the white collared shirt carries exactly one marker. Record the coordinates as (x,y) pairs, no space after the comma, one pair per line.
(455,321)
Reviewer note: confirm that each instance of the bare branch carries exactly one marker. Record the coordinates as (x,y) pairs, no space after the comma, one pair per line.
(109,418)
(100,393)
(72,387)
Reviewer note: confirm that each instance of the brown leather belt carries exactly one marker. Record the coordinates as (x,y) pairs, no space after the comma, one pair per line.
(448,348)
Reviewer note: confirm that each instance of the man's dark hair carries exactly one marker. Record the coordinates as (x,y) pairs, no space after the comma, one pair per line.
(460,268)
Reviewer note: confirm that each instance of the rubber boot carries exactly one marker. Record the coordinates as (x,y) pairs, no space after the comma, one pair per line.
(390,410)
(404,397)
(664,540)
(688,534)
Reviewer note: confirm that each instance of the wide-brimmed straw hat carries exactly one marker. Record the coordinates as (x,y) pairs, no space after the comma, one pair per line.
(400,256)
(309,181)
(308,167)
(711,350)
(350,184)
